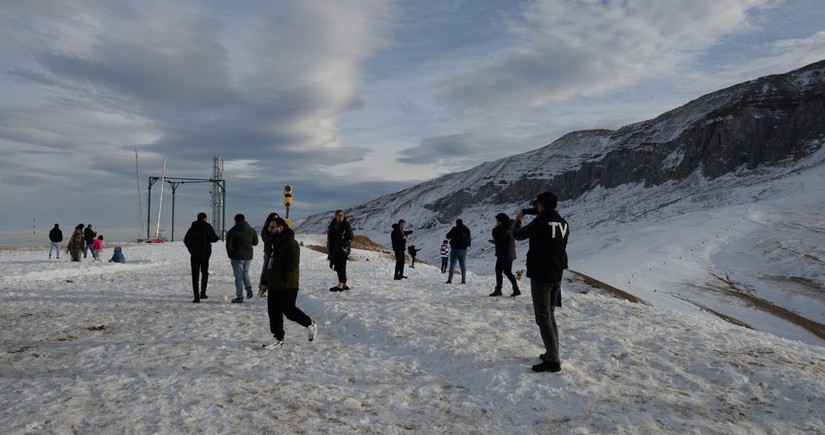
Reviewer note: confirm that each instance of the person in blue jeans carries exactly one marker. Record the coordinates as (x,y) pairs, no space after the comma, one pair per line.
(239,242)
(459,237)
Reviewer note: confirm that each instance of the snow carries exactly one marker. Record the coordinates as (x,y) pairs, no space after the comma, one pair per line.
(119,348)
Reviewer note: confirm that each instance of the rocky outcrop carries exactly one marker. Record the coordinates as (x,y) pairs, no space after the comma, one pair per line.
(762,122)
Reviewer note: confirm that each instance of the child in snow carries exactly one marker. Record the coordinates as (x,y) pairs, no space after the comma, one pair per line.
(413,250)
(118,256)
(97,248)
(445,254)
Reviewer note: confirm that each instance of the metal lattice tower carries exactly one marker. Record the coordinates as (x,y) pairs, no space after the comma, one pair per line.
(217,197)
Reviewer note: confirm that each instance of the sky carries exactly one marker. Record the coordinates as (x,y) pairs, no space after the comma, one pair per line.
(77,355)
(343,100)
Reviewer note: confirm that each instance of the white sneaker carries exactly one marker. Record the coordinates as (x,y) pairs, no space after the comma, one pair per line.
(312,331)
(274,344)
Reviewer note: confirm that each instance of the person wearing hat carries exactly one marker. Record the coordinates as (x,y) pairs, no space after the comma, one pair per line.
(398,237)
(546,260)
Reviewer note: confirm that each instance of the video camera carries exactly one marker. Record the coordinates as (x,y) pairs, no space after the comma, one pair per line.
(533,210)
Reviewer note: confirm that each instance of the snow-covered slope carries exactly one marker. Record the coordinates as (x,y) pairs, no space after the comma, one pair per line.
(729,229)
(111,348)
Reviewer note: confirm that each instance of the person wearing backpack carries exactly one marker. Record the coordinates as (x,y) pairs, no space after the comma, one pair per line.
(459,237)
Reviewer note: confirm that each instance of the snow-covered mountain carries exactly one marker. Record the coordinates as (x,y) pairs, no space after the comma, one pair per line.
(740,170)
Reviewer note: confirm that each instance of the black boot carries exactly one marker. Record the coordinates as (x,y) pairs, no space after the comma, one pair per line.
(496,292)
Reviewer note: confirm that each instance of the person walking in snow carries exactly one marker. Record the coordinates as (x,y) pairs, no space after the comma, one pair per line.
(459,237)
(339,245)
(281,284)
(505,253)
(90,236)
(97,247)
(198,240)
(546,260)
(55,238)
(412,250)
(267,245)
(240,240)
(398,236)
(444,251)
(77,243)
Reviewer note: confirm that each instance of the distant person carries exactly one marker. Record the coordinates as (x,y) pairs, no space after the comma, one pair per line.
(444,251)
(546,261)
(339,245)
(459,237)
(98,247)
(412,251)
(117,256)
(55,238)
(505,253)
(265,241)
(398,237)
(240,240)
(77,243)
(90,236)
(198,240)
(281,283)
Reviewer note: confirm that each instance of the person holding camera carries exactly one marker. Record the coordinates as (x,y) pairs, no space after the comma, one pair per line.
(546,260)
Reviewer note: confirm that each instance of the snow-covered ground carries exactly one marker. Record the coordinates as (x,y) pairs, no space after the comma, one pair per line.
(120,348)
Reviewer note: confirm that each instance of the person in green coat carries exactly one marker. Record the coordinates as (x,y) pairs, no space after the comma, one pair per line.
(280,282)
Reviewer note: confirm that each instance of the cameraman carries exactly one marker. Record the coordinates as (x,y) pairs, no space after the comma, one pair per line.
(546,260)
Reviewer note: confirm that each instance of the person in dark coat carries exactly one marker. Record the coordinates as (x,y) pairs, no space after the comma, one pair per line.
(267,245)
(459,237)
(413,251)
(77,242)
(339,245)
(55,237)
(240,240)
(198,240)
(90,236)
(398,236)
(505,253)
(281,284)
(546,260)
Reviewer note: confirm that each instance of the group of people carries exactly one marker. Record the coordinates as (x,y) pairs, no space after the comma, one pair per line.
(547,233)
(280,273)
(546,260)
(83,240)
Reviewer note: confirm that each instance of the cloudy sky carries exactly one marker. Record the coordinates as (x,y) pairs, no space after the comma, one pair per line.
(345,100)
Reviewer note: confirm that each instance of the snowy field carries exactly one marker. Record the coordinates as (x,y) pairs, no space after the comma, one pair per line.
(120,348)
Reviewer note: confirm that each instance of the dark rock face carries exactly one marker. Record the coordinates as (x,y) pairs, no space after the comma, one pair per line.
(762,122)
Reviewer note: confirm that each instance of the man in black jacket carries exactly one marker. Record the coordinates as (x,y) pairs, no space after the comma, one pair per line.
(546,261)
(339,245)
(399,246)
(55,237)
(90,235)
(239,242)
(198,241)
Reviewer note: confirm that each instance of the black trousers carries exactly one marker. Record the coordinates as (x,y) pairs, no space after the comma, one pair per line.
(280,304)
(339,262)
(505,266)
(200,267)
(399,264)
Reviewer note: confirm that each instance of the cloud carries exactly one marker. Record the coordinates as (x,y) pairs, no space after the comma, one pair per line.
(566,49)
